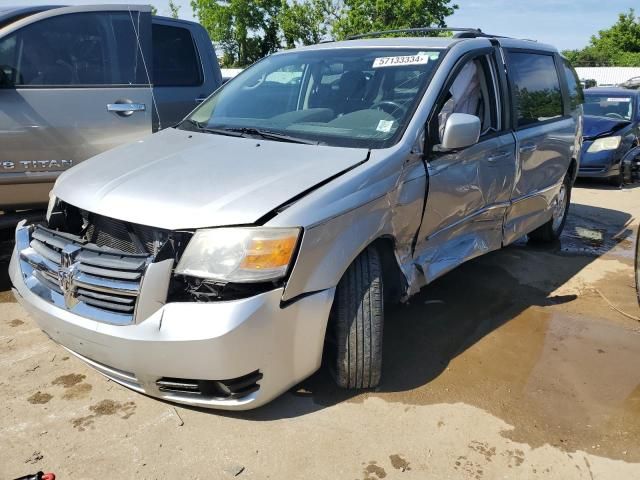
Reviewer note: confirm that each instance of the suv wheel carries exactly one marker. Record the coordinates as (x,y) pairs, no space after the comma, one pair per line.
(550,231)
(356,325)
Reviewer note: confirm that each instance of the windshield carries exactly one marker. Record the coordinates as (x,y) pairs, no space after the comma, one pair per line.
(612,106)
(339,97)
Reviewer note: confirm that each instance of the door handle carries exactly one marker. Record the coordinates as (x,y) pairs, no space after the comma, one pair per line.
(201,99)
(528,148)
(126,109)
(498,156)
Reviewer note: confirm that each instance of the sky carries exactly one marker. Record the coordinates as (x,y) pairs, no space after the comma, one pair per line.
(566,24)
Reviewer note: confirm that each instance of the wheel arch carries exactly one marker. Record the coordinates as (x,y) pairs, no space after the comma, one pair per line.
(573,170)
(393,279)
(328,249)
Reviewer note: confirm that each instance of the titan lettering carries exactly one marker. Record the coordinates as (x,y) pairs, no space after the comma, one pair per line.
(37,164)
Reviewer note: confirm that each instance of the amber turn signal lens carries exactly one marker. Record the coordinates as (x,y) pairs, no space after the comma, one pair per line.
(264,254)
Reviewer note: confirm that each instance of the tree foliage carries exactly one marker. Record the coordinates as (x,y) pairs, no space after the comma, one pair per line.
(174,9)
(306,22)
(616,46)
(360,16)
(246,30)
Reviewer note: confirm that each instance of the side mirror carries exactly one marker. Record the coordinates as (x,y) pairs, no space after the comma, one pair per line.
(4,79)
(461,130)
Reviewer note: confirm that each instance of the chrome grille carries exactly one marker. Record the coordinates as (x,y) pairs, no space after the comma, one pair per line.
(101,283)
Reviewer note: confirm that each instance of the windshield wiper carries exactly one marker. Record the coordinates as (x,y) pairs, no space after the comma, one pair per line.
(200,127)
(269,135)
(244,131)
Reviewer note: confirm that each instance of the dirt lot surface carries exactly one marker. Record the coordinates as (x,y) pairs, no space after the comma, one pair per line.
(512,366)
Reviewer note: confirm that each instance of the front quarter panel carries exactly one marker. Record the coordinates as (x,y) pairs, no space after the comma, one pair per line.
(381,198)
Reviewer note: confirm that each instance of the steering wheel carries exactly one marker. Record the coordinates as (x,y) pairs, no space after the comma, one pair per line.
(390,107)
(614,115)
(259,82)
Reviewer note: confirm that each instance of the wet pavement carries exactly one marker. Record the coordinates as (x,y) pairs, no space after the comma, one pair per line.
(512,366)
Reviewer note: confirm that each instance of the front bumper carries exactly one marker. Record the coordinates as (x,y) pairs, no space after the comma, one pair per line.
(202,341)
(599,172)
(605,164)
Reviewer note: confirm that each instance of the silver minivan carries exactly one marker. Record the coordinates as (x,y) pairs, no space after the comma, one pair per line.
(216,263)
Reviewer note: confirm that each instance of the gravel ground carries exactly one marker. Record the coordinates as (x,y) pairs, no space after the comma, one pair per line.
(512,366)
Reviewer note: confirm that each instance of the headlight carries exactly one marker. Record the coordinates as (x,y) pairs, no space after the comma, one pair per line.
(239,255)
(602,144)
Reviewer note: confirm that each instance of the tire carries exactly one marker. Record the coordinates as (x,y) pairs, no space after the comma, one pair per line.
(357,321)
(618,180)
(551,231)
(627,177)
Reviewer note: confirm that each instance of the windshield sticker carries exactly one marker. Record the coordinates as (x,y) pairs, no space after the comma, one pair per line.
(385,126)
(432,55)
(400,61)
(619,99)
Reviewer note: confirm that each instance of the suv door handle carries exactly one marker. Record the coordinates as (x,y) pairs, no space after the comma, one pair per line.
(201,99)
(126,109)
(498,156)
(528,148)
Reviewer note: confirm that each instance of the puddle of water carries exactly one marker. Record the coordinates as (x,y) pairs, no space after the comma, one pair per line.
(594,237)
(598,231)
(557,375)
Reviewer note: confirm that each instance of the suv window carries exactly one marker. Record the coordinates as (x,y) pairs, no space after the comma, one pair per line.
(576,95)
(74,50)
(472,92)
(536,87)
(175,60)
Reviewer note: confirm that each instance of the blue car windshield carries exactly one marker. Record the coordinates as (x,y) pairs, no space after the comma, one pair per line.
(614,106)
(352,97)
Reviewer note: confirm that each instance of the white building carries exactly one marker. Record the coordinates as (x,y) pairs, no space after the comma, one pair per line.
(608,76)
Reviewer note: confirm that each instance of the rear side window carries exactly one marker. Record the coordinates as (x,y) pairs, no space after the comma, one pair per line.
(576,96)
(536,88)
(82,49)
(175,60)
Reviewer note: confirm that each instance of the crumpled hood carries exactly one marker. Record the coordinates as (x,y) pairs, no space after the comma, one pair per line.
(177,179)
(595,127)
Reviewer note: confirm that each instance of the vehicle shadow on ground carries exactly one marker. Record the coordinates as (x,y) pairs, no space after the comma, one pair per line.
(449,316)
(6,246)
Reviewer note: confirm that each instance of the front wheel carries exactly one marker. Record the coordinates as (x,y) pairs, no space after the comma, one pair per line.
(356,323)
(551,231)
(618,180)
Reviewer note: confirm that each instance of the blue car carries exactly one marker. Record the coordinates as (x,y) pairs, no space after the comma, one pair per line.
(611,135)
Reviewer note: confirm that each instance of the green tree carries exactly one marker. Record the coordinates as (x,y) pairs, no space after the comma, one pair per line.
(244,30)
(361,16)
(616,46)
(154,10)
(174,9)
(307,22)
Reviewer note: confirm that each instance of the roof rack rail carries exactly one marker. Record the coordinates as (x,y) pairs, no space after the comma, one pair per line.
(462,32)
